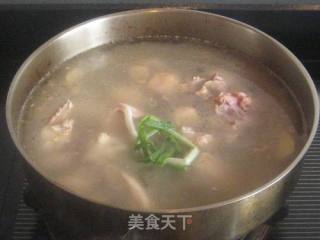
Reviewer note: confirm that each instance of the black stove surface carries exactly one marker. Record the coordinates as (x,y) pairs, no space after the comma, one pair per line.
(24,29)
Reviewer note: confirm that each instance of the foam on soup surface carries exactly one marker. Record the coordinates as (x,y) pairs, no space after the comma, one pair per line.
(82,123)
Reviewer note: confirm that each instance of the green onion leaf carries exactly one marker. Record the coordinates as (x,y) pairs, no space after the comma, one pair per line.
(159,143)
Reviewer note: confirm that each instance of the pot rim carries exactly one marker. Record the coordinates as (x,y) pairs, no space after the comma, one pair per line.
(234,200)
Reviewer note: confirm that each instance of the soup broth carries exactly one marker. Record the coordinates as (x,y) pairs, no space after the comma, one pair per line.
(240,116)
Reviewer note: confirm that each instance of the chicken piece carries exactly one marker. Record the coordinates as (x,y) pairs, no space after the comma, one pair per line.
(244,101)
(64,128)
(212,87)
(62,113)
(139,73)
(215,86)
(59,128)
(186,116)
(103,138)
(204,139)
(54,136)
(105,148)
(204,92)
(197,81)
(193,85)
(232,106)
(199,138)
(188,132)
(164,83)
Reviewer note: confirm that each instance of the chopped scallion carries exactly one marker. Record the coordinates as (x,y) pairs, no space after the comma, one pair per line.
(160,144)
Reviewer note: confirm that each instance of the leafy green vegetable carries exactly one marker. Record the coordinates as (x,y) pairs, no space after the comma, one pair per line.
(161,144)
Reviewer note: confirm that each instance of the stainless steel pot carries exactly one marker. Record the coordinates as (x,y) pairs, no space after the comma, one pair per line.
(225,220)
